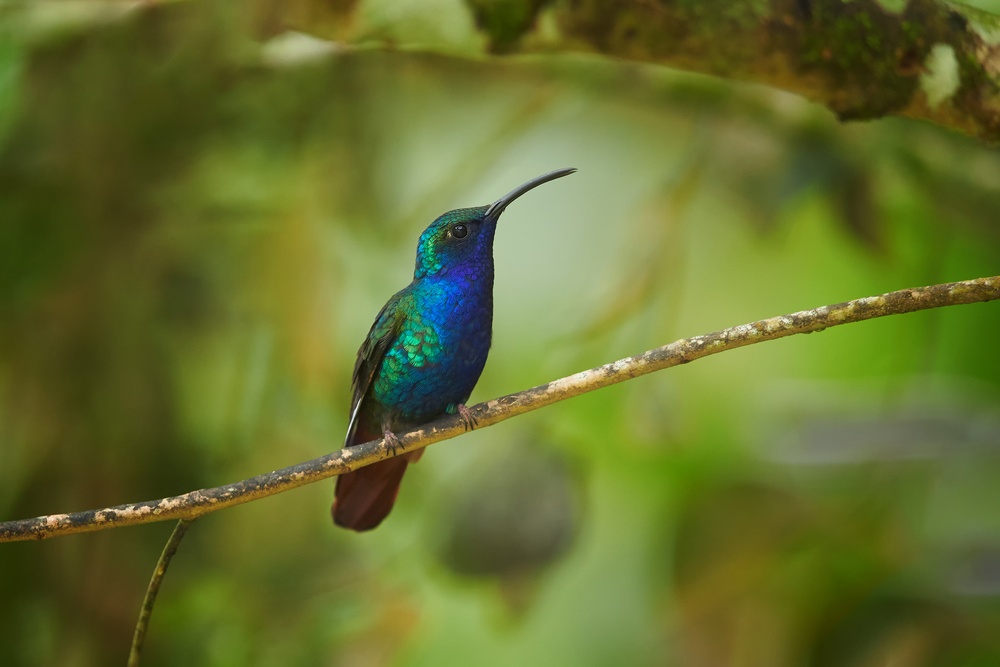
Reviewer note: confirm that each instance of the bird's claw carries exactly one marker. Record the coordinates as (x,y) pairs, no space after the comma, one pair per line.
(468,419)
(390,442)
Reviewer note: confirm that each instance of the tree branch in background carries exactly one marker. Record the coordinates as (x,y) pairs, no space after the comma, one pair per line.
(931,60)
(197,503)
(926,59)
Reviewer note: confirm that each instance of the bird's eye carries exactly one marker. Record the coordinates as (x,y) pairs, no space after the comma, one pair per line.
(459,231)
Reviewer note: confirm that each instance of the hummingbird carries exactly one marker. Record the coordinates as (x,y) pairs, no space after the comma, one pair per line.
(425,352)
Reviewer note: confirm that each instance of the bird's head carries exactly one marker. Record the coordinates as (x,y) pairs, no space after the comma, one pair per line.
(464,237)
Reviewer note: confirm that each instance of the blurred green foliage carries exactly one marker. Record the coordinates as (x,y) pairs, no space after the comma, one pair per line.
(200,215)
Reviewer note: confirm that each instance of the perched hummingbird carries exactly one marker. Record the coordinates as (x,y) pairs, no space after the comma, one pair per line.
(425,351)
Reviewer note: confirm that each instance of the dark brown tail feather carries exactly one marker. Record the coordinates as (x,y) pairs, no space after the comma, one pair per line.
(366,496)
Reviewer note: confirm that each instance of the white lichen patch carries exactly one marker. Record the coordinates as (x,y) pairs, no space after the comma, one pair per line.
(941,78)
(747,331)
(776,324)
(295,48)
(874,302)
(169,504)
(623,364)
(841,314)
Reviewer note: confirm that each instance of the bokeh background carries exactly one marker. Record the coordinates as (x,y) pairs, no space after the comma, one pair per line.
(201,211)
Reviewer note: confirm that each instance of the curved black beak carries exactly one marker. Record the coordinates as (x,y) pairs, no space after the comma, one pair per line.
(499,205)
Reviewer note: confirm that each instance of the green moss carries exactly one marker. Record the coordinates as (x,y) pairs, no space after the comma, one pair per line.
(504,21)
(742,15)
(719,37)
(856,45)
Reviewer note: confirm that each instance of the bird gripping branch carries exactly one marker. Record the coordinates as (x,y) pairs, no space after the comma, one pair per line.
(425,351)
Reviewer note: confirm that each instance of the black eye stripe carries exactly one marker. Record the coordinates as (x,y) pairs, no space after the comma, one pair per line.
(459,231)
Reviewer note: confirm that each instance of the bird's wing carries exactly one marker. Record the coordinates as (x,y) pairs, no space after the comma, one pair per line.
(381,336)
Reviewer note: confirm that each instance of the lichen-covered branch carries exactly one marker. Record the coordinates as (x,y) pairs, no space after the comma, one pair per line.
(196,503)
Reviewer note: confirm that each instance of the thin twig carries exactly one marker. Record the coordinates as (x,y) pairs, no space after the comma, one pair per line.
(142,624)
(196,503)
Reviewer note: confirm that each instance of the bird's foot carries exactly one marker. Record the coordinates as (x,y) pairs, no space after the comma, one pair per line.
(390,442)
(468,418)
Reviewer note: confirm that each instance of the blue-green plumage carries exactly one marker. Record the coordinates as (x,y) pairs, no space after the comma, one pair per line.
(444,319)
(425,351)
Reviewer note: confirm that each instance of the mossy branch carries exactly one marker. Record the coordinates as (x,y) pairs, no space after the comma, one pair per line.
(932,60)
(197,503)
